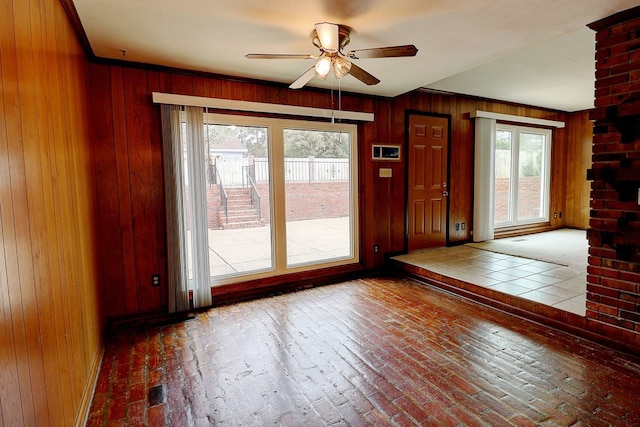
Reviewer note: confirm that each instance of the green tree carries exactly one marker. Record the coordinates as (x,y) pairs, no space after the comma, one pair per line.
(252,137)
(318,144)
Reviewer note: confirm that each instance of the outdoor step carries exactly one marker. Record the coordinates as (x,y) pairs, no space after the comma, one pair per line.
(239,197)
(240,212)
(239,202)
(242,218)
(240,205)
(235,216)
(246,224)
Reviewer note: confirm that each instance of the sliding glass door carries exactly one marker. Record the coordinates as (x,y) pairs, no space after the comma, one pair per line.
(238,202)
(317,174)
(522,159)
(281,196)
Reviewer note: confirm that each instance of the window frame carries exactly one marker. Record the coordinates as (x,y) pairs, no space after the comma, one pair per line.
(275,130)
(545,192)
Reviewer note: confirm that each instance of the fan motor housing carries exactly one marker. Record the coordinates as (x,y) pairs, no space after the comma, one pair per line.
(343,37)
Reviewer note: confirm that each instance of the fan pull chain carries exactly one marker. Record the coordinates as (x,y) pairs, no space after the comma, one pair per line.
(332,103)
(339,100)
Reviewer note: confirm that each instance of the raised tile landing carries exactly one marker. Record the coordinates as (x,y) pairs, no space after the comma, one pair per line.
(554,285)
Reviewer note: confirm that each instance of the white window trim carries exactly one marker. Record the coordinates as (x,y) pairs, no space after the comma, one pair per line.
(517,119)
(276,128)
(546,174)
(259,107)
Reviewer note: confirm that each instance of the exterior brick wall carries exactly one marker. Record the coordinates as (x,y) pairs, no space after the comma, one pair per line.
(304,201)
(213,206)
(613,280)
(528,198)
(317,200)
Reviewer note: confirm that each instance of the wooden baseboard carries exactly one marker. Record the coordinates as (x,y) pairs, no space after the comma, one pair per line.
(90,387)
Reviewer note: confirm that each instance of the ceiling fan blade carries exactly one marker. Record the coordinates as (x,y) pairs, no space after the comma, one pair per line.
(328,34)
(279,56)
(384,52)
(304,79)
(362,75)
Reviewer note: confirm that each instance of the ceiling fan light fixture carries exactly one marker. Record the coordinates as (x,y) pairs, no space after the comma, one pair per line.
(331,39)
(328,34)
(323,67)
(341,67)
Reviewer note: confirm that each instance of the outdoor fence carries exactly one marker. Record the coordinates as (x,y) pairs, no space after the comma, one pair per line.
(316,170)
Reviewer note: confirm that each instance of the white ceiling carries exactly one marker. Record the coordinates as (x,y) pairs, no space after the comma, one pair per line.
(535,52)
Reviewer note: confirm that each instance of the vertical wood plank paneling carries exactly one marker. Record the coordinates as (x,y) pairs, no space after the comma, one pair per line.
(62,399)
(182,84)
(461,162)
(136,141)
(140,185)
(37,183)
(123,194)
(558,176)
(199,86)
(66,324)
(23,288)
(212,88)
(579,141)
(84,313)
(50,313)
(17,408)
(108,208)
(159,261)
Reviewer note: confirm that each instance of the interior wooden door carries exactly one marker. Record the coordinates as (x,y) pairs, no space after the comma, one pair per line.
(427,181)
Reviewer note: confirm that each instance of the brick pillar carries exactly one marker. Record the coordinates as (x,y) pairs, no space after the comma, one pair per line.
(613,279)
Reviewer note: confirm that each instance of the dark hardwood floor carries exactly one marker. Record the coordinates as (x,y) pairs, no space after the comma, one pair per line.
(376,351)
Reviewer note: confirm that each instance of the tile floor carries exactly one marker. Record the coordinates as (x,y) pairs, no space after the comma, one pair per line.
(559,286)
(378,351)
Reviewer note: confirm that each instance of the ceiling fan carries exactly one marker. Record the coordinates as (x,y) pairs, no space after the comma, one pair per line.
(331,39)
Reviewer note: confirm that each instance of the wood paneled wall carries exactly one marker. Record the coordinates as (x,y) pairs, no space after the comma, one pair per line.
(50,306)
(128,163)
(462,153)
(579,150)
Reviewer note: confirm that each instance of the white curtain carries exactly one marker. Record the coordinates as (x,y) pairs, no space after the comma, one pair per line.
(484,179)
(187,227)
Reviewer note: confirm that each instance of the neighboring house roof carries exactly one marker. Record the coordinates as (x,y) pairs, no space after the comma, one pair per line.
(230,145)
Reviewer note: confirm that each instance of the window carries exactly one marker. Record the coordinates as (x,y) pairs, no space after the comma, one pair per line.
(522,159)
(281,196)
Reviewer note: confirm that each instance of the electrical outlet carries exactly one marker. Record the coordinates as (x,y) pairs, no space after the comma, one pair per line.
(457,226)
(555,215)
(463,226)
(376,249)
(155,280)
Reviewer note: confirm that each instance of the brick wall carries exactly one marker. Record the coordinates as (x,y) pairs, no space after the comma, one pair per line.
(528,198)
(304,201)
(317,200)
(613,280)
